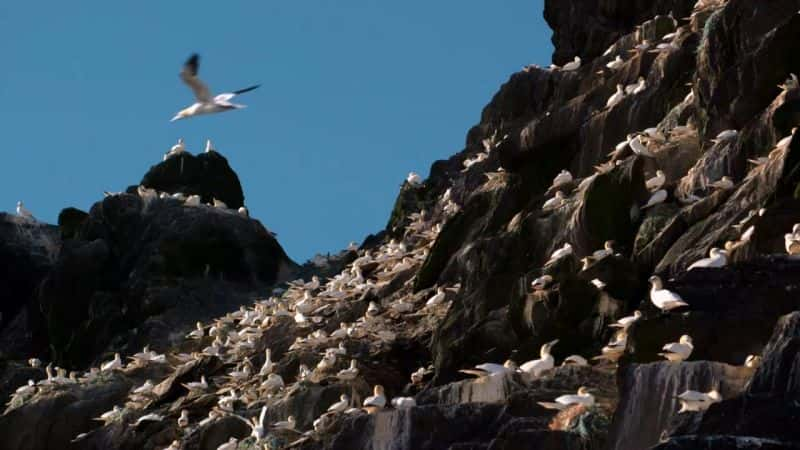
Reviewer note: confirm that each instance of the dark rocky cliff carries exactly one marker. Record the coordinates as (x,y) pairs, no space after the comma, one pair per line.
(135,272)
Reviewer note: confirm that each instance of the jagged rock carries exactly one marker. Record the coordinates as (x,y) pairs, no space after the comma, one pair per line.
(206,174)
(28,250)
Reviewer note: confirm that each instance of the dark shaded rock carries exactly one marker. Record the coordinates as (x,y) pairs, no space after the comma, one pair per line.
(70,221)
(28,250)
(648,397)
(206,174)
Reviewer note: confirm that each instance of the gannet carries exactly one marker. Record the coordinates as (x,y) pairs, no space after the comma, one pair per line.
(268,365)
(545,362)
(716,258)
(556,202)
(725,136)
(192,200)
(616,97)
(575,64)
(219,204)
(198,332)
(492,369)
(468,163)
(639,148)
(541,283)
(152,417)
(723,183)
(413,179)
(607,250)
(377,400)
(341,405)
(664,299)
(698,401)
(23,212)
(350,373)
(583,397)
(563,177)
(183,420)
(574,360)
(110,416)
(627,321)
(437,298)
(791,242)
(566,250)
(145,388)
(658,197)
(752,361)
(232,444)
(273,382)
(287,424)
(418,375)
(655,183)
(640,86)
(115,363)
(678,351)
(403,402)
(204,103)
(35,363)
(616,64)
(615,348)
(243,212)
(209,147)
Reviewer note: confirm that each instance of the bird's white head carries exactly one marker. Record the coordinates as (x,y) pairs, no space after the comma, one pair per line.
(655,281)
(686,339)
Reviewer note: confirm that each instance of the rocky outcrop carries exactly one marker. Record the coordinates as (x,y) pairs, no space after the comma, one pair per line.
(447,284)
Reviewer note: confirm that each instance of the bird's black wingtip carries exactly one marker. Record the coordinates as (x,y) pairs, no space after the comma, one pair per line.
(247,89)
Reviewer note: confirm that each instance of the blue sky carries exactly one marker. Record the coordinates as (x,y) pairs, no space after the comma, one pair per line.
(354,95)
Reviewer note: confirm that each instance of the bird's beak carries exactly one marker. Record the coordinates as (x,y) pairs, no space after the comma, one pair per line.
(177,117)
(552,343)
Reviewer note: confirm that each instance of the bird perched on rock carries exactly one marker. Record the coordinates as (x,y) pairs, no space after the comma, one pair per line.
(413,179)
(377,400)
(565,250)
(583,397)
(616,97)
(725,136)
(545,362)
(716,258)
(698,401)
(658,197)
(627,321)
(575,64)
(490,369)
(678,351)
(204,102)
(664,299)
(341,405)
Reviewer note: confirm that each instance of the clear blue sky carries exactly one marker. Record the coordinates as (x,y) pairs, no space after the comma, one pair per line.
(355,94)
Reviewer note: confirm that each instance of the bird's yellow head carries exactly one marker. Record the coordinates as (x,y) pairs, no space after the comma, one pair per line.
(182,114)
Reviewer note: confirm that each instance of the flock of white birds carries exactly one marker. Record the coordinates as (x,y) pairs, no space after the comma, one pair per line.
(236,337)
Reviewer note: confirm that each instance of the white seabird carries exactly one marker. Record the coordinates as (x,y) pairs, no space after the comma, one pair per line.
(678,351)
(554,203)
(341,405)
(491,369)
(616,64)
(545,362)
(627,321)
(413,179)
(658,197)
(403,402)
(23,212)
(616,97)
(562,178)
(437,298)
(607,250)
(566,250)
(377,400)
(583,397)
(640,87)
(655,183)
(664,299)
(791,242)
(575,64)
(698,401)
(716,258)
(204,103)
(575,360)
(639,148)
(115,363)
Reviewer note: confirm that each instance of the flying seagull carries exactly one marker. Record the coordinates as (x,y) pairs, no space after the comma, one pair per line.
(205,103)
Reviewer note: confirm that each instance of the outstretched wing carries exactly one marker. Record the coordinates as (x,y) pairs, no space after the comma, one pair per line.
(189,76)
(229,95)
